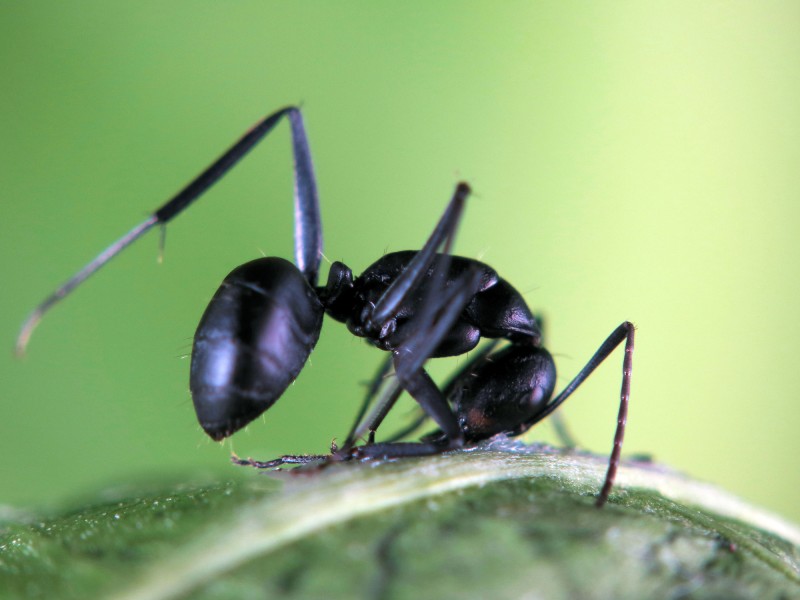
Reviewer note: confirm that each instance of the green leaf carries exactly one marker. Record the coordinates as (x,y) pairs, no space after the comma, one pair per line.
(502,521)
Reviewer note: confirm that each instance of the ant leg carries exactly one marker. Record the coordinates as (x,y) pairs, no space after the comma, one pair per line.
(287,459)
(412,276)
(473,362)
(418,422)
(308,227)
(356,431)
(385,403)
(399,450)
(394,449)
(388,399)
(422,388)
(625,332)
(447,390)
(442,306)
(562,431)
(434,322)
(557,421)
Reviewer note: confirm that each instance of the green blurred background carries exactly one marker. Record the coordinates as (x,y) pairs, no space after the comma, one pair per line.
(631,160)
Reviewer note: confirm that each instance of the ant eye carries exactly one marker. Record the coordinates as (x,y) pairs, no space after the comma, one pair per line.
(535,398)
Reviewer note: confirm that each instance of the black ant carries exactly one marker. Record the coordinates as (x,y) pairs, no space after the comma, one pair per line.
(265,319)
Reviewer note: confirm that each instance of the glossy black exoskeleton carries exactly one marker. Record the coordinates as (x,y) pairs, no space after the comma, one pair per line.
(261,325)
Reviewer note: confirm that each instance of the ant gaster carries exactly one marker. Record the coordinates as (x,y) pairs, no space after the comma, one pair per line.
(262,323)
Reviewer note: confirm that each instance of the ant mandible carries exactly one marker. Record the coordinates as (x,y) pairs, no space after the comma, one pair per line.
(265,319)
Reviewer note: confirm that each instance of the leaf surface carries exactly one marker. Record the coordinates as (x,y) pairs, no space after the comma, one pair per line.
(501,521)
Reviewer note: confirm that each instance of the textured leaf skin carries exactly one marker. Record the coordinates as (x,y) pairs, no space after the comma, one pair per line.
(393,530)
(81,552)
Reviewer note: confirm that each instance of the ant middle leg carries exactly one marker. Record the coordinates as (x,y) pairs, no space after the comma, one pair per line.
(444,297)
